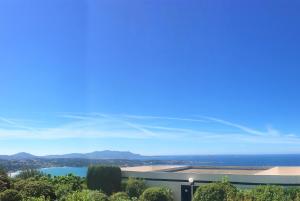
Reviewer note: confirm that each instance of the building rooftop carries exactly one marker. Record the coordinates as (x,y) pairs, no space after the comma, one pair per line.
(218,170)
(154,168)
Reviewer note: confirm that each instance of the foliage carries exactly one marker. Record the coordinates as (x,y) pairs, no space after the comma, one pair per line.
(157,194)
(292,194)
(221,191)
(244,195)
(87,195)
(33,186)
(42,198)
(268,193)
(38,188)
(61,191)
(28,173)
(120,196)
(66,184)
(19,184)
(10,195)
(105,178)
(4,180)
(135,187)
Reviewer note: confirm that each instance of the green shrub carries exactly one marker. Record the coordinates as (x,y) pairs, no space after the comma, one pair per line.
(38,189)
(66,184)
(75,182)
(10,195)
(4,180)
(19,184)
(221,191)
(292,194)
(244,195)
(135,187)
(36,199)
(61,191)
(120,196)
(157,194)
(105,178)
(123,185)
(268,193)
(87,195)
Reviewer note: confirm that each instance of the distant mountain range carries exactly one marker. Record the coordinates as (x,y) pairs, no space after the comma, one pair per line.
(106,154)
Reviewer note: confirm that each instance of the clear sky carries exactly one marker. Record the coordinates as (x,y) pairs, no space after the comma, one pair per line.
(152,77)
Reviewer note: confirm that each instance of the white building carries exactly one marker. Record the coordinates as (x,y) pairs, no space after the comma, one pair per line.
(183,180)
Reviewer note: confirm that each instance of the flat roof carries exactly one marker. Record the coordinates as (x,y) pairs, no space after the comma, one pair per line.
(220,171)
(292,171)
(154,168)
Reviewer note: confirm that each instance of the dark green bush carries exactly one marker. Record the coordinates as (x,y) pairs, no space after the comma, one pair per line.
(4,180)
(292,194)
(157,194)
(268,193)
(135,187)
(10,195)
(221,191)
(87,195)
(120,196)
(37,189)
(244,195)
(66,184)
(105,178)
(75,182)
(35,199)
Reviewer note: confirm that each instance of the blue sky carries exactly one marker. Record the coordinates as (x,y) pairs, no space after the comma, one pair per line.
(152,77)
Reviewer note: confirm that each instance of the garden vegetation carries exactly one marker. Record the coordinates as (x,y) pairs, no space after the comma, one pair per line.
(32,185)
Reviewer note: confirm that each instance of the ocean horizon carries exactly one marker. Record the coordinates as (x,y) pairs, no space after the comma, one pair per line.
(209,160)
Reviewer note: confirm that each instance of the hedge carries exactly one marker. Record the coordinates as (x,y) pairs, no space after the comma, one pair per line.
(120,196)
(157,194)
(221,191)
(104,178)
(135,187)
(86,195)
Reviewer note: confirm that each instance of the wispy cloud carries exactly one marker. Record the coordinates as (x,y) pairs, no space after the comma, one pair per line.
(97,125)
(164,117)
(14,124)
(270,131)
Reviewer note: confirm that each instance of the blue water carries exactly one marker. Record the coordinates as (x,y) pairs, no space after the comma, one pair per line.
(213,160)
(239,160)
(61,171)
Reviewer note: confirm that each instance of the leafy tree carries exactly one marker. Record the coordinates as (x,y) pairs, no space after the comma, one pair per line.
(74,182)
(19,184)
(244,195)
(4,180)
(66,184)
(28,173)
(157,194)
(292,194)
(38,188)
(87,195)
(120,196)
(135,187)
(61,191)
(36,199)
(105,178)
(268,193)
(10,195)
(221,191)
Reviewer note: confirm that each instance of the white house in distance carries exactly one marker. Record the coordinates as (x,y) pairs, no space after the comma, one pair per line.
(183,180)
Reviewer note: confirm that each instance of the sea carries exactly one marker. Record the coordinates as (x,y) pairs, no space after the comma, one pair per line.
(207,160)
